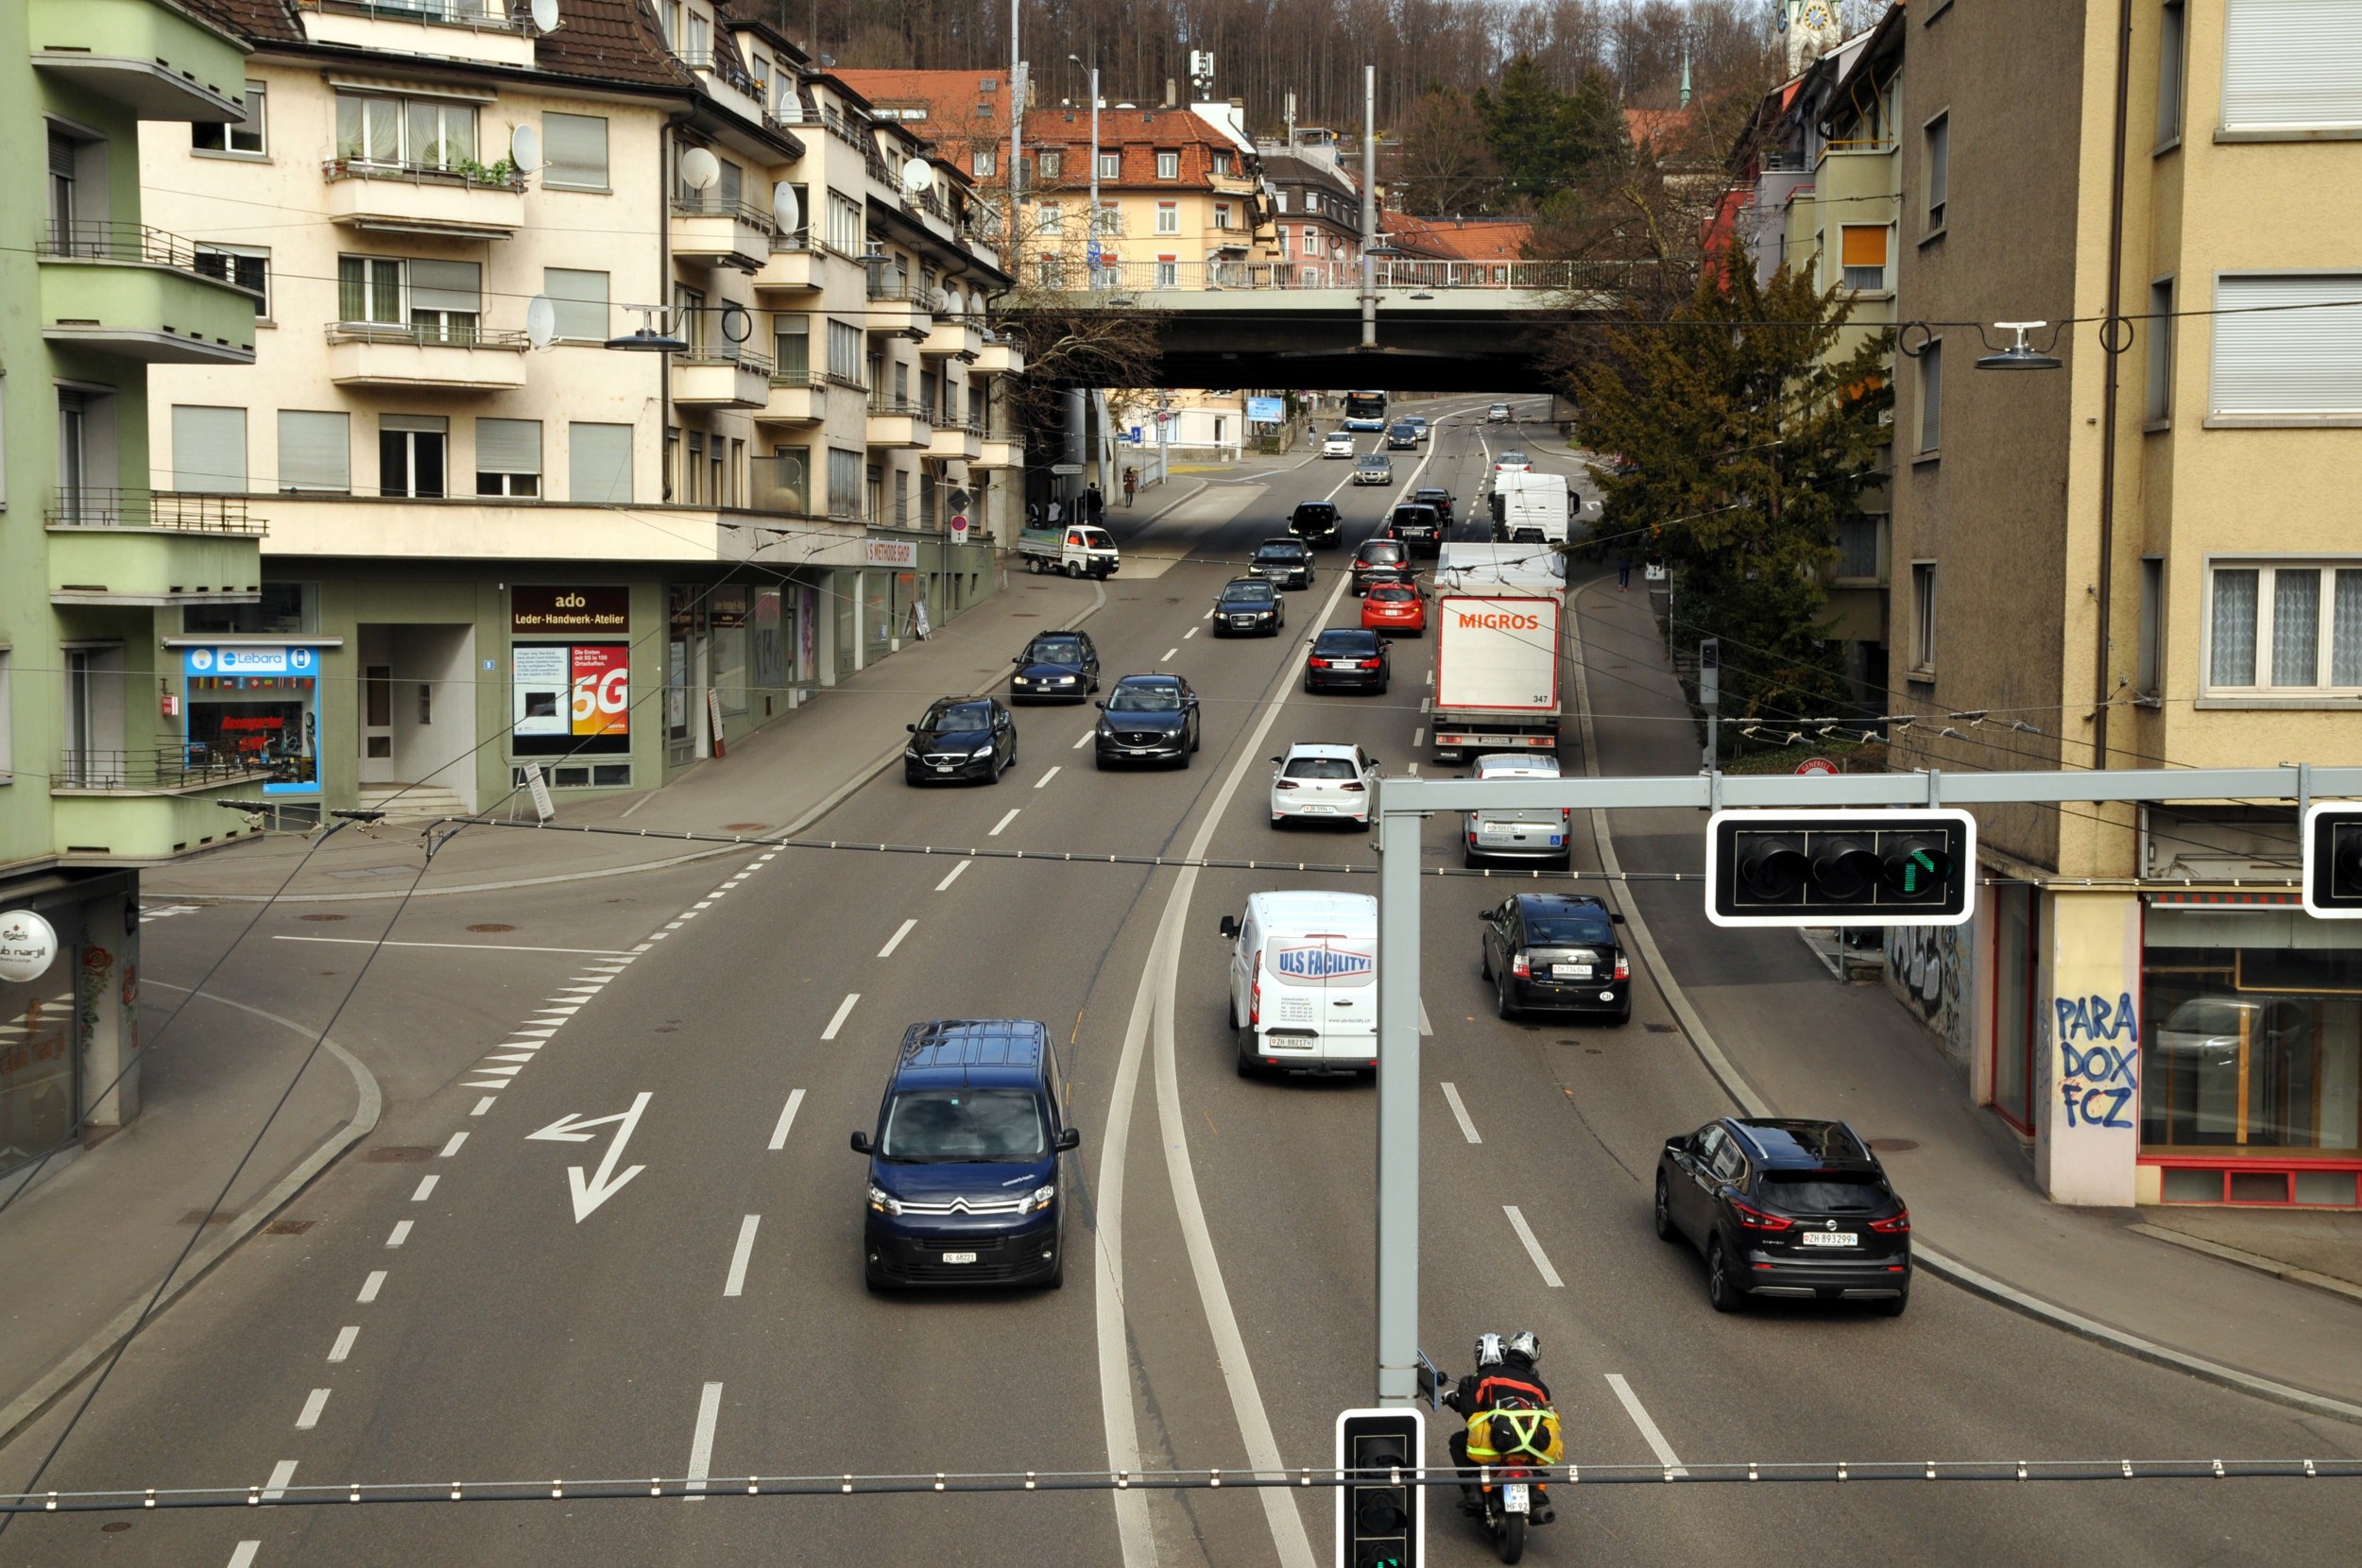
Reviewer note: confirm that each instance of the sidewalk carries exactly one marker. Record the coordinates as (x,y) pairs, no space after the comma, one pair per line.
(1785,1037)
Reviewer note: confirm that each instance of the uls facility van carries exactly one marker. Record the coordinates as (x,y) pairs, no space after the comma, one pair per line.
(1304,982)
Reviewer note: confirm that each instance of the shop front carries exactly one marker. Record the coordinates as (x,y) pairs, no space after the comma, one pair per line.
(570,683)
(69,1016)
(255,706)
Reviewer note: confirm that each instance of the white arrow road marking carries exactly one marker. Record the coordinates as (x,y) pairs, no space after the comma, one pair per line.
(1533,1248)
(895,940)
(837,1021)
(589,1195)
(701,1443)
(1467,1128)
(787,1119)
(312,1408)
(736,1284)
(1632,1407)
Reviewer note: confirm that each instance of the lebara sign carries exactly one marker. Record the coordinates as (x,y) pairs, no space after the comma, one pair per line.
(277,659)
(1322,963)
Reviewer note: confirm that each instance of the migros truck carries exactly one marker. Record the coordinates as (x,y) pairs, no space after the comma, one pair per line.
(1499,614)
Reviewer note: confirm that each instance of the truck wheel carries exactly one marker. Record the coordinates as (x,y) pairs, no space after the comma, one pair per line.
(1074,570)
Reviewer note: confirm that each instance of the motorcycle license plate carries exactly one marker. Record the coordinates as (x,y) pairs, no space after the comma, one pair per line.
(959,1257)
(1829,1238)
(1514,1499)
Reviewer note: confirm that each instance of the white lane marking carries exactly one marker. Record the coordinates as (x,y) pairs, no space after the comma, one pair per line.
(1004,822)
(895,940)
(280,1473)
(1045,778)
(312,1406)
(1415,770)
(244,1555)
(1425,1027)
(1430,679)
(482,1106)
(462,946)
(1081,741)
(345,1337)
(371,1287)
(701,1443)
(1418,736)
(496,1074)
(1533,1248)
(1191,632)
(953,875)
(1459,1113)
(452,1148)
(1425,703)
(426,1190)
(401,1234)
(702,904)
(736,1284)
(1171,654)
(787,1119)
(1208,616)
(837,1021)
(1640,1418)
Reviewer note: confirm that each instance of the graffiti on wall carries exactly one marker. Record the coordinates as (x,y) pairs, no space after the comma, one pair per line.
(2098,1080)
(1928,965)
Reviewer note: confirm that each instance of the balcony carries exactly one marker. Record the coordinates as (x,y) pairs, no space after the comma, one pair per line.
(415,358)
(898,305)
(795,267)
(153,804)
(487,31)
(795,399)
(159,62)
(961,442)
(711,379)
(1000,451)
(960,338)
(998,356)
(151,548)
(135,292)
(708,229)
(897,422)
(470,202)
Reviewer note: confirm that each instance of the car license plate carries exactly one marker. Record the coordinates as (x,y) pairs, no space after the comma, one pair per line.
(943,767)
(1514,1499)
(1570,971)
(1830,1238)
(959,1257)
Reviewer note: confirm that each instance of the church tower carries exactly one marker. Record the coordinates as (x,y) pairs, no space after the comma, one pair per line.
(1813,29)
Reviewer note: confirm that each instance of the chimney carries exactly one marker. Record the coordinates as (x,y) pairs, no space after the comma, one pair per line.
(1172,93)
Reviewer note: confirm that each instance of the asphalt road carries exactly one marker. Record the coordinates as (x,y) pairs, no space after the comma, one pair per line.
(708,1313)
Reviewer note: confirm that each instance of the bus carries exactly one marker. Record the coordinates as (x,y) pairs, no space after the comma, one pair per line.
(1365,411)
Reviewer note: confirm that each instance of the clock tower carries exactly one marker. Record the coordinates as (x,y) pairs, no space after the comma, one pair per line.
(1813,29)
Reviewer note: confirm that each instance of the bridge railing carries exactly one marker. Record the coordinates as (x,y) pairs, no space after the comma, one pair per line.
(1117,279)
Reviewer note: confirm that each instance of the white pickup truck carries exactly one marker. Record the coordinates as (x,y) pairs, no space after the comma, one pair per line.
(1076,550)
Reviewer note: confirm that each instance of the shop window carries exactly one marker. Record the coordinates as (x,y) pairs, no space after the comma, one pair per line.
(260,714)
(726,613)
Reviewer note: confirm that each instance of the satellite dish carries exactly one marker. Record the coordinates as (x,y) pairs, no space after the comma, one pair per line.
(791,107)
(737,324)
(524,148)
(545,16)
(699,169)
(540,321)
(785,207)
(939,302)
(917,175)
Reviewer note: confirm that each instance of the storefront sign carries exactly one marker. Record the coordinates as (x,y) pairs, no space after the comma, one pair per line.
(900,552)
(253,706)
(28,944)
(535,611)
(278,659)
(570,697)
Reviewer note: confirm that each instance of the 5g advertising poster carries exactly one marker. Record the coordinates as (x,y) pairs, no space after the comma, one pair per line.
(570,698)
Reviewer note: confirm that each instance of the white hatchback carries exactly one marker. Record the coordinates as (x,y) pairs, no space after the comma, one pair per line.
(1331,783)
(1337,443)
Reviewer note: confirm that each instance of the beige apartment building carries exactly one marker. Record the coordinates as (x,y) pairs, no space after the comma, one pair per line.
(614,387)
(2146,557)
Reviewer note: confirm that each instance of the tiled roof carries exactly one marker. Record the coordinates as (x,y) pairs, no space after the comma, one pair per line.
(1167,128)
(1458,239)
(615,40)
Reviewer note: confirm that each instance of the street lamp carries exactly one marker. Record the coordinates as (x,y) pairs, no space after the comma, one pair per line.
(1090,223)
(2019,355)
(647,339)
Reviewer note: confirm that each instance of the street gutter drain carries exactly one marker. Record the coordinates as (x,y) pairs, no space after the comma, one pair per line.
(394,1153)
(1663,1028)
(289,1227)
(491,926)
(322,918)
(1891,1145)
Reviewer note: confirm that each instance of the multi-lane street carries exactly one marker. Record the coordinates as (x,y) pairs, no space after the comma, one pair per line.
(643,1257)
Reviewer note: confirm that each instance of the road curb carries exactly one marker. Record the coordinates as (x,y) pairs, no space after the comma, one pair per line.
(2329,1284)
(1942,1265)
(369,1102)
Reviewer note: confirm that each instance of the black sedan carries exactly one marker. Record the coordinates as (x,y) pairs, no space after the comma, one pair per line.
(1056,665)
(1786,1208)
(1437,497)
(1317,523)
(961,738)
(1558,951)
(1248,604)
(1284,562)
(1343,657)
(1147,719)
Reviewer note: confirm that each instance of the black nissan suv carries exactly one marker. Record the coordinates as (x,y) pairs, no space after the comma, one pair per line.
(1784,1207)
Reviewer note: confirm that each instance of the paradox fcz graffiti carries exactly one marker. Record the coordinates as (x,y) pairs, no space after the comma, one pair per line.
(2098,1081)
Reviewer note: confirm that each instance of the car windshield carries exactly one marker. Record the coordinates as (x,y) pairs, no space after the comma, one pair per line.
(1420,516)
(1280,552)
(1256,593)
(1097,538)
(1394,595)
(1386,551)
(946,1125)
(1315,511)
(1512,457)
(1321,767)
(1054,650)
(1559,929)
(1432,496)
(1824,1192)
(1159,698)
(966,719)
(1347,642)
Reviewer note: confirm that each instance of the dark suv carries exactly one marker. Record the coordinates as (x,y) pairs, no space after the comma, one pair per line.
(1056,667)
(1376,556)
(1419,527)
(1558,951)
(964,1164)
(1437,497)
(1282,563)
(1786,1208)
(1317,523)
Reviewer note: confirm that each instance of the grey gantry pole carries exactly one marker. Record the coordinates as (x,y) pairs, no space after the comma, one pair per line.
(1397,1101)
(1369,206)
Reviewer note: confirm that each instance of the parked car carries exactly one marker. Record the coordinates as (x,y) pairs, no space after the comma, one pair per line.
(1248,604)
(1317,523)
(1373,467)
(1497,414)
(1437,497)
(1285,563)
(1328,783)
(1555,951)
(1522,832)
(1786,1207)
(1148,718)
(963,1159)
(959,738)
(1350,658)
(1395,608)
(1056,665)
(1403,437)
(1304,982)
(1337,443)
(1377,555)
(1418,526)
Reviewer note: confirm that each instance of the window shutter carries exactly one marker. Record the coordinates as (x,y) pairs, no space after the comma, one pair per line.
(579,302)
(208,449)
(2291,63)
(446,286)
(2289,361)
(599,465)
(509,445)
(314,451)
(61,153)
(574,147)
(1863,244)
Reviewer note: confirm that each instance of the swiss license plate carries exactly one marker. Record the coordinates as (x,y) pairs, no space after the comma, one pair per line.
(943,767)
(1829,1238)
(1570,971)
(959,1257)
(1514,1499)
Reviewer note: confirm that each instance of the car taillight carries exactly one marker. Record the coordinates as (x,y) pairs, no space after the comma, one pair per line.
(1357,785)
(1285,784)
(1623,970)
(1255,991)
(1520,968)
(1899,1225)
(1755,1219)
(1366,663)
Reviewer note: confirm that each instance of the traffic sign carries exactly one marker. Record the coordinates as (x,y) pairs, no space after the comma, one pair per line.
(1811,765)
(1859,867)
(959,530)
(1068,470)
(2333,862)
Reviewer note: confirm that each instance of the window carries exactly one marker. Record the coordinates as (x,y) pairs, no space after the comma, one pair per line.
(246,138)
(509,457)
(445,299)
(845,353)
(2286,627)
(901,498)
(1052,220)
(2173,25)
(1167,217)
(1280,237)
(1111,166)
(1862,250)
(579,302)
(2279,361)
(1049,270)
(2291,64)
(410,451)
(2161,324)
(983,109)
(1052,164)
(1222,214)
(2150,677)
(1168,165)
(1932,397)
(573,151)
(700,37)
(248,266)
(845,484)
(1279,200)
(1168,272)
(980,162)
(598,463)
(8,725)
(1110,218)
(1222,162)
(1857,547)
(369,290)
(315,453)
(691,323)
(844,229)
(791,347)
(1924,617)
(1938,168)
(208,449)
(427,133)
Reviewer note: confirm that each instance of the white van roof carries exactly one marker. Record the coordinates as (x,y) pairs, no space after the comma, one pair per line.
(1325,910)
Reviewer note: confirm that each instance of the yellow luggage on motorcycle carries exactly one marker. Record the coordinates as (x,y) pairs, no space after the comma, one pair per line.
(1502,1436)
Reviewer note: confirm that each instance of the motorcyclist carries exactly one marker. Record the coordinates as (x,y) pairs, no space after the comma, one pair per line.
(1506,1378)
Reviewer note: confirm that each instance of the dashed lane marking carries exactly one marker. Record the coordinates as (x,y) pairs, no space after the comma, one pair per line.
(452,1148)
(701,1441)
(736,1284)
(1171,654)
(345,1337)
(165,912)
(1418,736)
(426,1190)
(787,1119)
(837,1021)
(895,940)
(953,875)
(280,1473)
(482,1106)
(461,946)
(1640,1418)
(1459,1113)
(1045,778)
(1003,822)
(1190,633)
(400,1234)
(244,1555)
(371,1287)
(1533,1248)
(1081,741)
(312,1406)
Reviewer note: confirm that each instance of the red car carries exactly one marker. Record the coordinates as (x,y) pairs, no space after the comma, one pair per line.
(1391,607)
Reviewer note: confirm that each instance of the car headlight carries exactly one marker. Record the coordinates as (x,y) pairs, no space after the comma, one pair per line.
(984,747)
(911,751)
(883,1201)
(1041,1198)
(1066,680)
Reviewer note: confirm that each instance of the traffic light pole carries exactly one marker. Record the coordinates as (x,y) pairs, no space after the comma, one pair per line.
(1401,803)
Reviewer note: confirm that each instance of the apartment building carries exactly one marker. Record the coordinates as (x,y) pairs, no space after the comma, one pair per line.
(2145,557)
(1180,197)
(1316,208)
(95,782)
(616,386)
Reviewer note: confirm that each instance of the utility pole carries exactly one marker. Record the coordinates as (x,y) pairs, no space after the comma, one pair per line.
(1369,206)
(1017,127)
(1090,226)
(1710,695)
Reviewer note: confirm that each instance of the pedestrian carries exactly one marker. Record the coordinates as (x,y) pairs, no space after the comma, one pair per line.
(1033,514)
(1131,483)
(1056,513)
(1623,574)
(1094,505)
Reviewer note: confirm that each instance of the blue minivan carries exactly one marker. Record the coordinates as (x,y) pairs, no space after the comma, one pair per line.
(964,1161)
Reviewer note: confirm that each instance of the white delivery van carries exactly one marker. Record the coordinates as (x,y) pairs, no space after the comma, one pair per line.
(1536,509)
(1304,982)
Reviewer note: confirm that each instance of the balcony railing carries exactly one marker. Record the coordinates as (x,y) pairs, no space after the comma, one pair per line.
(502,176)
(425,335)
(173,767)
(749,360)
(179,511)
(904,407)
(711,204)
(885,284)
(787,242)
(103,241)
(799,377)
(844,127)
(725,67)
(444,14)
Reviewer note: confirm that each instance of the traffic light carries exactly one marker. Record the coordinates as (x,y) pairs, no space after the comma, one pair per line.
(1382,1512)
(2333,862)
(1859,867)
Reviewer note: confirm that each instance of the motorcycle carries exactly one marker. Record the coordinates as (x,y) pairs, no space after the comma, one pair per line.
(1508,1497)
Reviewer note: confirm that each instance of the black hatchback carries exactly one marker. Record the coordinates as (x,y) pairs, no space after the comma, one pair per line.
(1285,563)
(1056,667)
(959,738)
(1346,657)
(1784,1207)
(1317,523)
(1559,951)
